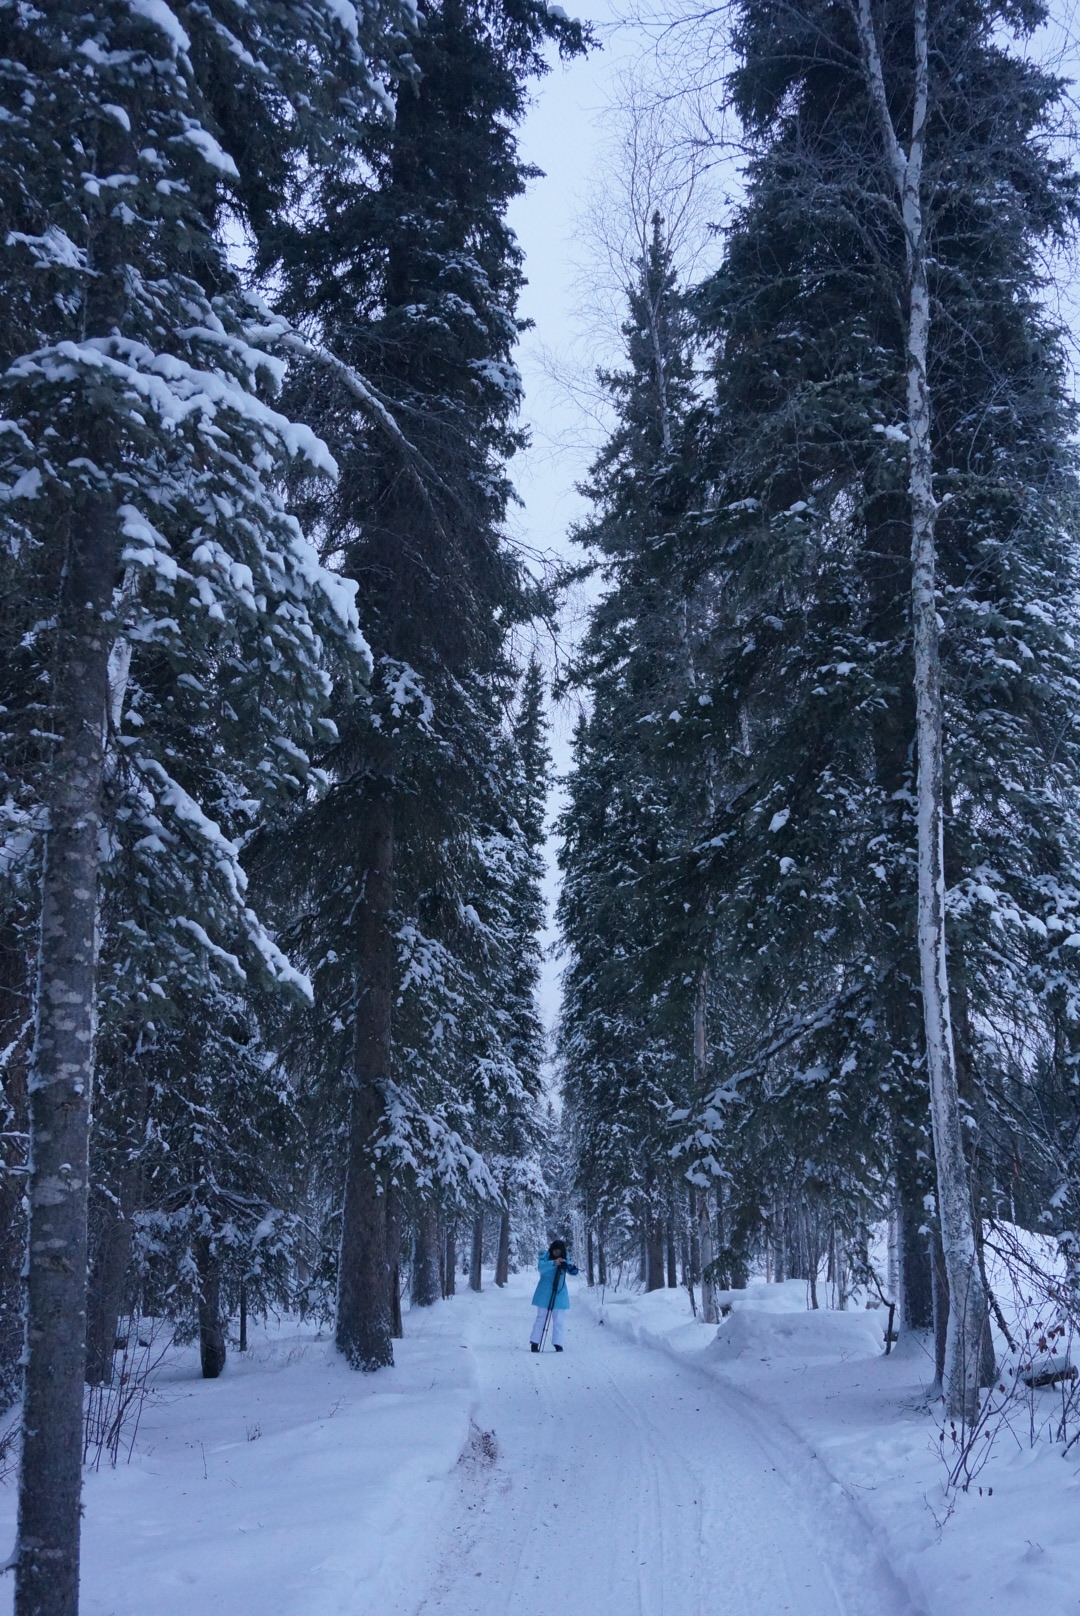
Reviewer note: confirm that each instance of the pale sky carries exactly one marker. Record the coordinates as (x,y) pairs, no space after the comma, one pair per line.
(561,136)
(572,298)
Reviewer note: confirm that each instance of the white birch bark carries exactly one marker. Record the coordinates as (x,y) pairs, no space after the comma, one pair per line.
(967,1298)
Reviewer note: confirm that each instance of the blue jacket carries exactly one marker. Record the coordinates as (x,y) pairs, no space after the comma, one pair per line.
(542,1293)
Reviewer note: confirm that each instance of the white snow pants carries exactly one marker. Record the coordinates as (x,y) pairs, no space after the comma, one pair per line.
(558,1324)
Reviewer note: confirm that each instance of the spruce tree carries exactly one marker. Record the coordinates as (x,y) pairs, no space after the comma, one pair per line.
(776,752)
(626,1032)
(803,521)
(144,531)
(514,1153)
(408,272)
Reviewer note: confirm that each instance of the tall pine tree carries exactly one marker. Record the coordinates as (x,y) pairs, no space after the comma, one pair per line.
(408,271)
(146,539)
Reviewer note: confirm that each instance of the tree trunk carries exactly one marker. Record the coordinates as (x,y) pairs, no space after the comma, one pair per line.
(364,1310)
(967,1296)
(939,1281)
(211,1324)
(426,1287)
(476,1263)
(916,1273)
(12,1254)
(672,1260)
(798,1266)
(393,1260)
(654,1253)
(695,1241)
(16,1035)
(111,1259)
(780,1244)
(601,1259)
(450,1260)
(502,1259)
(105,1293)
(243,1343)
(987,1356)
(47,1549)
(892,1261)
(703,1196)
(709,1310)
(589,1260)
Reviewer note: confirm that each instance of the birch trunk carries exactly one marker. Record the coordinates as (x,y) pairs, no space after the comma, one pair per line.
(364,1314)
(46,1559)
(16,1035)
(967,1296)
(940,1299)
(695,1242)
(892,1279)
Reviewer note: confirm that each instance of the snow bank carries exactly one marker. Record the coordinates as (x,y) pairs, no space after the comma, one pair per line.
(762,1323)
(766,1334)
(291,1486)
(860,1423)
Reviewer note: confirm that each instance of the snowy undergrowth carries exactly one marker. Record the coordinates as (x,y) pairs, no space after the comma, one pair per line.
(1012,1548)
(291,1486)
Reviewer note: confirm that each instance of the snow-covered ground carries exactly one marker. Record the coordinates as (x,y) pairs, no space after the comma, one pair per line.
(291,1486)
(656,1468)
(619,1480)
(1010,1546)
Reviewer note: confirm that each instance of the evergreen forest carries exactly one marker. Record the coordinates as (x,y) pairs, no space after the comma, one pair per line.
(275,709)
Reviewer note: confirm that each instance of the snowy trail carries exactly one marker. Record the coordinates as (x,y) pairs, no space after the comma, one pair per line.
(617,1482)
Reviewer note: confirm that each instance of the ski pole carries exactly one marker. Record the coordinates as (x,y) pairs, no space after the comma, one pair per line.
(550,1306)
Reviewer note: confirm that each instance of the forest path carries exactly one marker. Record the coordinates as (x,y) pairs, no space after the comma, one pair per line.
(611,1480)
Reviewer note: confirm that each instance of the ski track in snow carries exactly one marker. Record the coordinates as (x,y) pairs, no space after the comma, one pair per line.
(612,1480)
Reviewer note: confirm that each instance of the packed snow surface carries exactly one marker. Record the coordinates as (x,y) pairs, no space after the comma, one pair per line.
(608,1479)
(657,1467)
(860,1431)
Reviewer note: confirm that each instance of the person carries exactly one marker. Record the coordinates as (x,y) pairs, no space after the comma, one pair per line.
(554,1266)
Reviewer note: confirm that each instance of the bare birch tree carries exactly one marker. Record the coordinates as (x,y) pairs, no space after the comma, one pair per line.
(907,162)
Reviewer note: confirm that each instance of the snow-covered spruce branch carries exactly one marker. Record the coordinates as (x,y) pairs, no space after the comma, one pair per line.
(789,1038)
(291,341)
